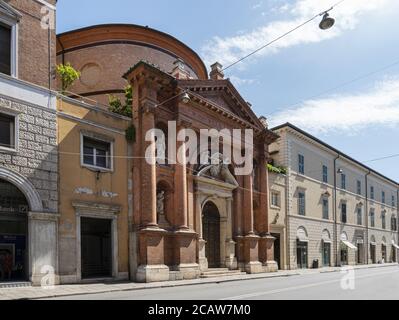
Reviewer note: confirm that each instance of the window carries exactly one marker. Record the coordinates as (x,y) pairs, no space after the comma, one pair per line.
(301,164)
(393,201)
(301,203)
(372,193)
(96,153)
(5,49)
(383,197)
(7,132)
(325,174)
(325,209)
(394,224)
(359,187)
(383,220)
(359,216)
(343,213)
(372,218)
(343,181)
(275,199)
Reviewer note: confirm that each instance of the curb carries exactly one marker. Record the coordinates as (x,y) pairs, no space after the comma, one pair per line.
(207,281)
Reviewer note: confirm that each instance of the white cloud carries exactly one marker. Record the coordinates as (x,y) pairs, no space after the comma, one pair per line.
(237,81)
(350,113)
(257,5)
(230,49)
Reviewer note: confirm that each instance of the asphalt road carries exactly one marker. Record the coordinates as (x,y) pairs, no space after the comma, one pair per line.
(375,284)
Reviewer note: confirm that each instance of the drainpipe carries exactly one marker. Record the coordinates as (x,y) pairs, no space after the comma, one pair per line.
(335,211)
(367,217)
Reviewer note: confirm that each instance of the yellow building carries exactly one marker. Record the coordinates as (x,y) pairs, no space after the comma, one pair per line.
(94,186)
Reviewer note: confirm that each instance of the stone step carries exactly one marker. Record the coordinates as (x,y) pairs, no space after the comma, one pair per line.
(5,285)
(216,273)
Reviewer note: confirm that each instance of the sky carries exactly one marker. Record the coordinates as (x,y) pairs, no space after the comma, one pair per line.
(341,85)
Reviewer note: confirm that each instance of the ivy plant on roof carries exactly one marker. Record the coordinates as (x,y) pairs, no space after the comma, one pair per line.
(116,105)
(68,76)
(276,169)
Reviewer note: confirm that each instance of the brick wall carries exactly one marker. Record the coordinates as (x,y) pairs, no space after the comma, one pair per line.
(37,46)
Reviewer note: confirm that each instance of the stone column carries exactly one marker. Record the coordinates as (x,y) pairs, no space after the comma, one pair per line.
(181,218)
(249,242)
(148,185)
(266,243)
(185,240)
(231,260)
(203,261)
(151,238)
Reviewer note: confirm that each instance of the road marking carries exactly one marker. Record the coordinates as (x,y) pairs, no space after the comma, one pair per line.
(257,294)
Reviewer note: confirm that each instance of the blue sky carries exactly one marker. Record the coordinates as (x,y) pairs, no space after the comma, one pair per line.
(304,78)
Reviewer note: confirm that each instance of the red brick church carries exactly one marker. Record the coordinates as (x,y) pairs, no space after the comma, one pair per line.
(185,220)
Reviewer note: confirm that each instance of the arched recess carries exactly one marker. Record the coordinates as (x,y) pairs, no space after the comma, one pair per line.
(164,195)
(35,203)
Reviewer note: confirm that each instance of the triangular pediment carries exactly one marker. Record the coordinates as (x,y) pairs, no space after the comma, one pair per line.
(8,11)
(224,95)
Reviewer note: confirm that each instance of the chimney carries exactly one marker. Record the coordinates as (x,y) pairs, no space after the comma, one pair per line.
(263,120)
(216,71)
(179,71)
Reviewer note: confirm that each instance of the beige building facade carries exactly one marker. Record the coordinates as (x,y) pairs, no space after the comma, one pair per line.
(336,210)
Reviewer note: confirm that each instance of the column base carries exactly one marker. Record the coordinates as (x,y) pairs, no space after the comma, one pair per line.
(271,266)
(152,273)
(203,261)
(231,259)
(45,280)
(189,271)
(254,267)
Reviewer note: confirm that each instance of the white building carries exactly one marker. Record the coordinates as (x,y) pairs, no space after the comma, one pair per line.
(337,210)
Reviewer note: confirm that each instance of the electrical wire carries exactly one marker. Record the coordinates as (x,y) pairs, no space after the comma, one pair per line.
(280,37)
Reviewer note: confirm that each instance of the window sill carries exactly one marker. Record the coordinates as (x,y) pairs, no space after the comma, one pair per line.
(275,207)
(13,151)
(97,169)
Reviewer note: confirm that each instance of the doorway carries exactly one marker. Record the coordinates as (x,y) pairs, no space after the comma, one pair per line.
(344,256)
(373,254)
(96,248)
(211,234)
(277,249)
(326,254)
(302,254)
(360,253)
(13,234)
(383,253)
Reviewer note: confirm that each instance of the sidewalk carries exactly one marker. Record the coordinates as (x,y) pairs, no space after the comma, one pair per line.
(81,289)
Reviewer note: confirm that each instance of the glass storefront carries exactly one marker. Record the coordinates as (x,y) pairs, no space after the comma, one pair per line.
(13,233)
(302,255)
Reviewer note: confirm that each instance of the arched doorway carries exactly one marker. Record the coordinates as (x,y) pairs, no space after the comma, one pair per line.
(211,234)
(14,209)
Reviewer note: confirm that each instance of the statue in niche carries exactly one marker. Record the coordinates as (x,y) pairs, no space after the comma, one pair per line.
(161,208)
(218,169)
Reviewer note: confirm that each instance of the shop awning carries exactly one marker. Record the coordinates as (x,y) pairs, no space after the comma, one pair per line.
(395,245)
(349,245)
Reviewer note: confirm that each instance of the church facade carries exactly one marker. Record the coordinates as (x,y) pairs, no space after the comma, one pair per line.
(188,218)
(166,220)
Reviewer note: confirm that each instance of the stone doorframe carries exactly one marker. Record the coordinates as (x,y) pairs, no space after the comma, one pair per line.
(221,195)
(97,211)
